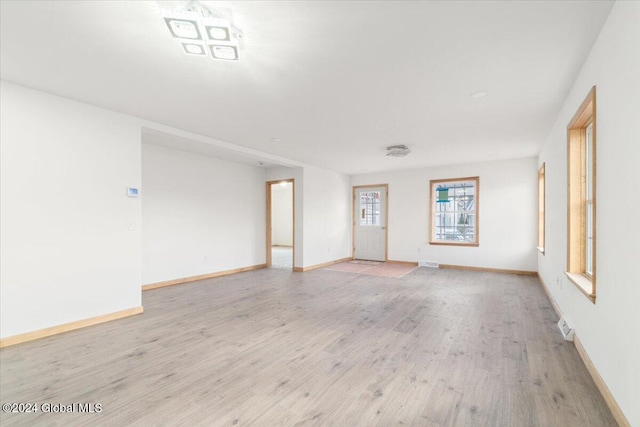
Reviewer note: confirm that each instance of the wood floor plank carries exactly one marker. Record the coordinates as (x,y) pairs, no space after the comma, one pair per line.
(275,348)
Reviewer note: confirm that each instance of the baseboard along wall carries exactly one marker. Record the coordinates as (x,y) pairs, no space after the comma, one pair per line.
(201,277)
(489,270)
(71,326)
(324,264)
(390,261)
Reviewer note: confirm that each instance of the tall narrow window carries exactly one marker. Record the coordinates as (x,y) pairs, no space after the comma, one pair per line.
(541,190)
(588,201)
(581,209)
(454,211)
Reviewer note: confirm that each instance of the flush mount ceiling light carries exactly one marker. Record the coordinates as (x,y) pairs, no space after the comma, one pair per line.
(202,32)
(398,150)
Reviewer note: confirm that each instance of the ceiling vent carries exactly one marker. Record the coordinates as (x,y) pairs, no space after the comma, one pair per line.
(398,150)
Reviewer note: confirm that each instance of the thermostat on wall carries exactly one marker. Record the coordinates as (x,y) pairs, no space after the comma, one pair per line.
(132,192)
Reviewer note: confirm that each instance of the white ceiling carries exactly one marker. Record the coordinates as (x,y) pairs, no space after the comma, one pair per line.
(336,82)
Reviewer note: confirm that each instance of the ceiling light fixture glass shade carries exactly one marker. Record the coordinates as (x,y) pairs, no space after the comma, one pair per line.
(183,28)
(217,29)
(218,33)
(219,51)
(194,49)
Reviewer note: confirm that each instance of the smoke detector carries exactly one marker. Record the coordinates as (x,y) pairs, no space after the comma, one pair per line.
(398,150)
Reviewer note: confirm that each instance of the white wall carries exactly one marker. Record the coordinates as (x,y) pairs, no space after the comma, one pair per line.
(508,214)
(66,249)
(200,214)
(282,215)
(322,213)
(610,328)
(327,216)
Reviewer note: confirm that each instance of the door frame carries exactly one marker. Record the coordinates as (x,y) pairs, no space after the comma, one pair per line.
(269,225)
(386,218)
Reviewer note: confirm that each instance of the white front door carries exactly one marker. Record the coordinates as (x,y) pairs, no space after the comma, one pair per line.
(370,223)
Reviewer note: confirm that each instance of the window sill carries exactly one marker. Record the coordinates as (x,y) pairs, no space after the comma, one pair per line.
(541,249)
(454,244)
(583,284)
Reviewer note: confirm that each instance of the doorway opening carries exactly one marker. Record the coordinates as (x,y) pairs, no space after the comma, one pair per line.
(370,222)
(280,224)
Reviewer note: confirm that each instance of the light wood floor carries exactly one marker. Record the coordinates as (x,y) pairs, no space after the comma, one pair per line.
(271,347)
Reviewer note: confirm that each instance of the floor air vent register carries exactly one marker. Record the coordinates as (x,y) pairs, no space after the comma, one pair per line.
(566,329)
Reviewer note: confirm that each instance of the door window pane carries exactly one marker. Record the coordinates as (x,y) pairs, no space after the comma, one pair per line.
(370,208)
